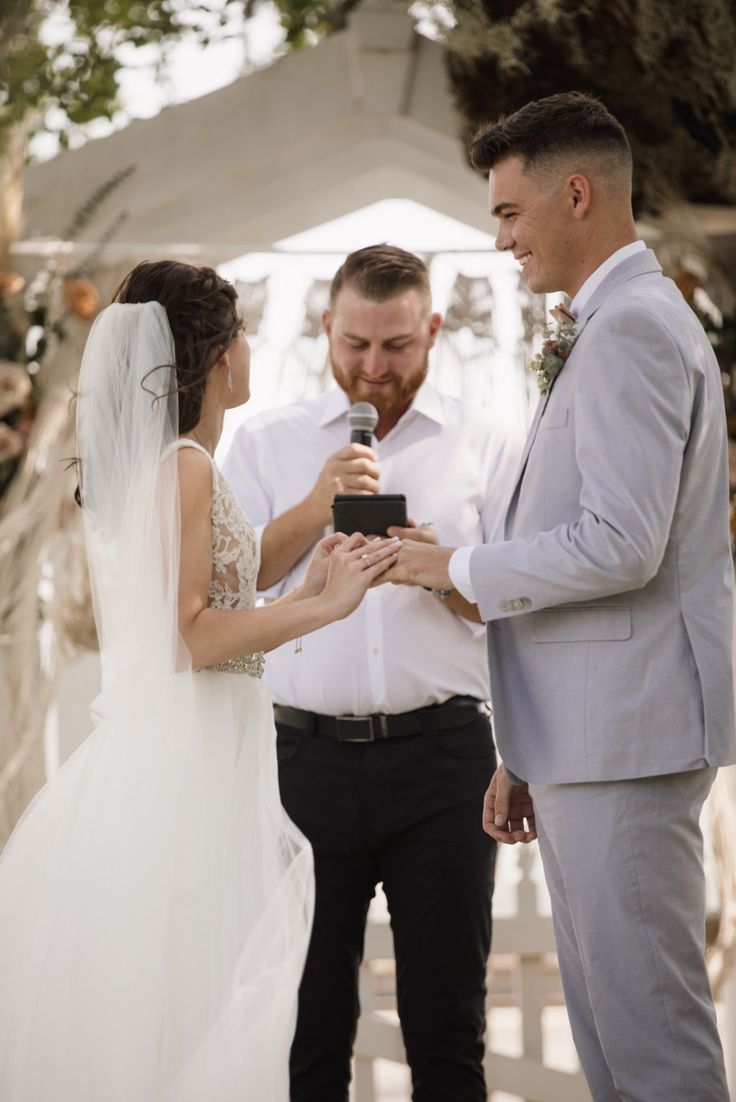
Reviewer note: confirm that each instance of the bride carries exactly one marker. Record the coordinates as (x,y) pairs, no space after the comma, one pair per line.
(155,900)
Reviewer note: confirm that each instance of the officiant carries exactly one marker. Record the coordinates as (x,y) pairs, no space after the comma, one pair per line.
(384,737)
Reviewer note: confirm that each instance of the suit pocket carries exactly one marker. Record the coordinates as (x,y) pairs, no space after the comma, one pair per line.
(553,419)
(581,625)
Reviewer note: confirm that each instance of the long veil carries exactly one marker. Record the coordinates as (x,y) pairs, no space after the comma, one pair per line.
(155,902)
(127,422)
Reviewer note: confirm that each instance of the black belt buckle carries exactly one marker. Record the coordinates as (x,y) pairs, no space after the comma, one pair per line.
(360,728)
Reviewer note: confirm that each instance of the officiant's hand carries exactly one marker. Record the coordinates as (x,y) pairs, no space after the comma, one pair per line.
(506,807)
(422,533)
(351,470)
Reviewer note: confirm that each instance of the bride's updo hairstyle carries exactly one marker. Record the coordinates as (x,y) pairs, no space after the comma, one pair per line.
(202,310)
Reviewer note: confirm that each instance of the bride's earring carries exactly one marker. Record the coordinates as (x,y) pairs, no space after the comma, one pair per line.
(229,379)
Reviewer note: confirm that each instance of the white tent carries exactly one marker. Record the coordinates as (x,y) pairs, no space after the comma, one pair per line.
(365,115)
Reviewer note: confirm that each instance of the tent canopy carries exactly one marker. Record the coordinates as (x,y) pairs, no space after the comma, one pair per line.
(365,115)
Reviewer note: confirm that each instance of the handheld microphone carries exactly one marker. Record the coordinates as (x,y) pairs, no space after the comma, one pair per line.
(363,418)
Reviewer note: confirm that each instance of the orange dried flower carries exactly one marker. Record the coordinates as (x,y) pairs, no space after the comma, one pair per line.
(11,283)
(81,297)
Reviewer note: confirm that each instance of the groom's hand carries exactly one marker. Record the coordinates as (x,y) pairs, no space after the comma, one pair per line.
(508,811)
(421,563)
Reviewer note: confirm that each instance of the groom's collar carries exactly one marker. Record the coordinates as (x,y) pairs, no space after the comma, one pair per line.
(641,262)
(594,280)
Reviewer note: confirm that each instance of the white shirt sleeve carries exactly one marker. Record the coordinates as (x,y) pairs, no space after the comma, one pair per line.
(242,470)
(259,529)
(503,466)
(459,571)
(507,451)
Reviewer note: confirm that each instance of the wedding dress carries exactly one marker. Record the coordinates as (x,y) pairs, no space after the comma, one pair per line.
(155,900)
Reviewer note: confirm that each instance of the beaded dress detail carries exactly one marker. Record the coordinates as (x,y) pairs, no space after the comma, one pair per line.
(234,567)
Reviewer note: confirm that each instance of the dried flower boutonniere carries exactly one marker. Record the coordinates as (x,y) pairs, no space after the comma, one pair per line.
(548,363)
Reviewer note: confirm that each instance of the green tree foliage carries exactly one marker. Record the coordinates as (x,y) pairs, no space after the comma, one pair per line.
(307,20)
(78,75)
(61,82)
(664,67)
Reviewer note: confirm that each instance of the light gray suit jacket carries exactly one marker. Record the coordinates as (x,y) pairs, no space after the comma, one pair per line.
(610,604)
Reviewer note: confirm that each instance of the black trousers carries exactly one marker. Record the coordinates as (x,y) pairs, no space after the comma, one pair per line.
(406,812)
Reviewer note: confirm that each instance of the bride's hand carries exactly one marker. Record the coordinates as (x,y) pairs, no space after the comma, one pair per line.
(316,575)
(352,567)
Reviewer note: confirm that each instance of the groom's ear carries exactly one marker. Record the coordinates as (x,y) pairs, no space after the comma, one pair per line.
(578,194)
(327,322)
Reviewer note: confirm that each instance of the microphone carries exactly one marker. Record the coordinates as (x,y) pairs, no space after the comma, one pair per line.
(363,418)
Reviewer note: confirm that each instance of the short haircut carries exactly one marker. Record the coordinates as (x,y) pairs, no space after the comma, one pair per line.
(380,272)
(548,131)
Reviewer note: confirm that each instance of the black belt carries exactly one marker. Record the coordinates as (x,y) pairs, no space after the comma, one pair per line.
(437,717)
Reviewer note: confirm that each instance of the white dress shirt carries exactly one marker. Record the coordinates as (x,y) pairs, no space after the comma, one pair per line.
(402,648)
(459,565)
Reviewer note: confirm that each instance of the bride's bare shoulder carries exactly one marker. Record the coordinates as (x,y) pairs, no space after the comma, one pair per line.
(195,479)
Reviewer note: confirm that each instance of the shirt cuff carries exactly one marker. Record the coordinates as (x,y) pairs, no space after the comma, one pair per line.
(258,531)
(459,571)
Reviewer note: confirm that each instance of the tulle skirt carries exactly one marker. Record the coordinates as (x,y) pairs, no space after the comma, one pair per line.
(155,907)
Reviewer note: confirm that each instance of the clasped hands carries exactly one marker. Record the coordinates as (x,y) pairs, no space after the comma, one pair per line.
(421,560)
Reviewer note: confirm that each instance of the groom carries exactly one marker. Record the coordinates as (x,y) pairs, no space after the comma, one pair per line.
(609,608)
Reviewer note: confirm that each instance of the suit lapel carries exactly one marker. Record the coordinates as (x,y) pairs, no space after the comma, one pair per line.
(642,263)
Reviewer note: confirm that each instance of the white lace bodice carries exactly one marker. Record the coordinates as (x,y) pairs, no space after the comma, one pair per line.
(234,551)
(234,563)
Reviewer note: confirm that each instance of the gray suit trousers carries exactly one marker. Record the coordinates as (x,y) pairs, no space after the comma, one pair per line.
(623,863)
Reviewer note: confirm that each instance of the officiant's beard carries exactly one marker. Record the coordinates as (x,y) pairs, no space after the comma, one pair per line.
(396,391)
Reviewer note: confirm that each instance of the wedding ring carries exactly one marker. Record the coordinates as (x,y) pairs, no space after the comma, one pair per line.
(366,558)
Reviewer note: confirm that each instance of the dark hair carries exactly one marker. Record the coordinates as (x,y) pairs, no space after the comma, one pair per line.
(379,272)
(548,129)
(202,310)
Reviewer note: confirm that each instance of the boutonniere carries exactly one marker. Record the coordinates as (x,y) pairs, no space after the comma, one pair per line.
(548,363)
